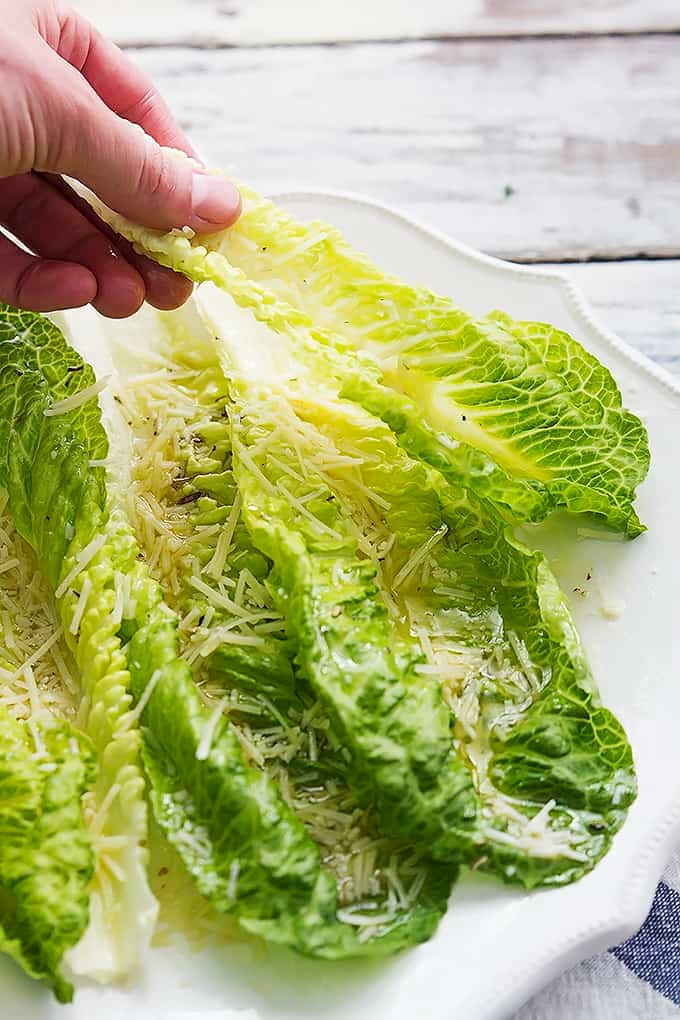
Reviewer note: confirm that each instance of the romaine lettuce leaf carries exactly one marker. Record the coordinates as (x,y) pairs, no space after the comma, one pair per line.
(518,410)
(539,411)
(391,719)
(50,466)
(393,722)
(246,850)
(280,864)
(173,396)
(552,769)
(46,859)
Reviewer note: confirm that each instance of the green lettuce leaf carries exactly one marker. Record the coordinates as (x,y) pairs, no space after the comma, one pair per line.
(58,502)
(518,409)
(246,850)
(394,724)
(523,399)
(552,768)
(391,720)
(249,854)
(445,797)
(46,860)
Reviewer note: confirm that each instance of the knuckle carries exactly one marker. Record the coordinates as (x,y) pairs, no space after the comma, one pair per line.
(73,121)
(25,282)
(159,180)
(155,179)
(142,106)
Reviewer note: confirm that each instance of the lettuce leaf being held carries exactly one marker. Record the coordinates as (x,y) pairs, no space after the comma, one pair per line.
(539,419)
(517,411)
(611,443)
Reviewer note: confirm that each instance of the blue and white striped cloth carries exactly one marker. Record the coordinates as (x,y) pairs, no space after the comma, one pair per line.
(638,980)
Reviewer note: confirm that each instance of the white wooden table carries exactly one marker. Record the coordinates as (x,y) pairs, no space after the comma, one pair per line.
(539,130)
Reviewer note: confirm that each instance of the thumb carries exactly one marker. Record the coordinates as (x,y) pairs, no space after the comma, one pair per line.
(133,174)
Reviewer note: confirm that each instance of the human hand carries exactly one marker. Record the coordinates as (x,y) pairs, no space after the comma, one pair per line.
(72,103)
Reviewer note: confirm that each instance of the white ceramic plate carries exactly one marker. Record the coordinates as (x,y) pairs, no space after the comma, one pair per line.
(496,946)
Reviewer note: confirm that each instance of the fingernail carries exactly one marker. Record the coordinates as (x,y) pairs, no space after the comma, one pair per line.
(216,201)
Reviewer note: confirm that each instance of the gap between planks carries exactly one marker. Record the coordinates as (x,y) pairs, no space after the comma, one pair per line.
(261,23)
(518,37)
(600,258)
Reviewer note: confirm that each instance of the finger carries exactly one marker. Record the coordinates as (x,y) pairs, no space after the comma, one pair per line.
(164,289)
(118,81)
(41,285)
(42,218)
(128,169)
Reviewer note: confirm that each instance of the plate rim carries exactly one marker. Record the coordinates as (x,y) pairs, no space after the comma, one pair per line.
(645,870)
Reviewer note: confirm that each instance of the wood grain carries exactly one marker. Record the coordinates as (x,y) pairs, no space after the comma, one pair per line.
(639,301)
(266,22)
(535,150)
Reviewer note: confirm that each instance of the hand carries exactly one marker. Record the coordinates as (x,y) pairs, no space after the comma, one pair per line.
(72,103)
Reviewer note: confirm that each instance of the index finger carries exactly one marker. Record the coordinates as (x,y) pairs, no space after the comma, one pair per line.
(118,81)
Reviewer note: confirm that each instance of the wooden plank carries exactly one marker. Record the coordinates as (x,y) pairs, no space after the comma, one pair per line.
(541,149)
(263,22)
(639,301)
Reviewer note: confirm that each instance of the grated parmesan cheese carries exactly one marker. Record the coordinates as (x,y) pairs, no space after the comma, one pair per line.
(129,719)
(81,605)
(205,743)
(40,750)
(511,674)
(215,567)
(417,557)
(83,560)
(77,399)
(234,869)
(37,672)
(220,601)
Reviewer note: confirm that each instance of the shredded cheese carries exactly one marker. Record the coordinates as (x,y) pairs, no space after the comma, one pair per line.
(205,743)
(83,560)
(417,557)
(77,399)
(215,567)
(129,719)
(38,654)
(221,602)
(37,670)
(81,605)
(502,661)
(234,869)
